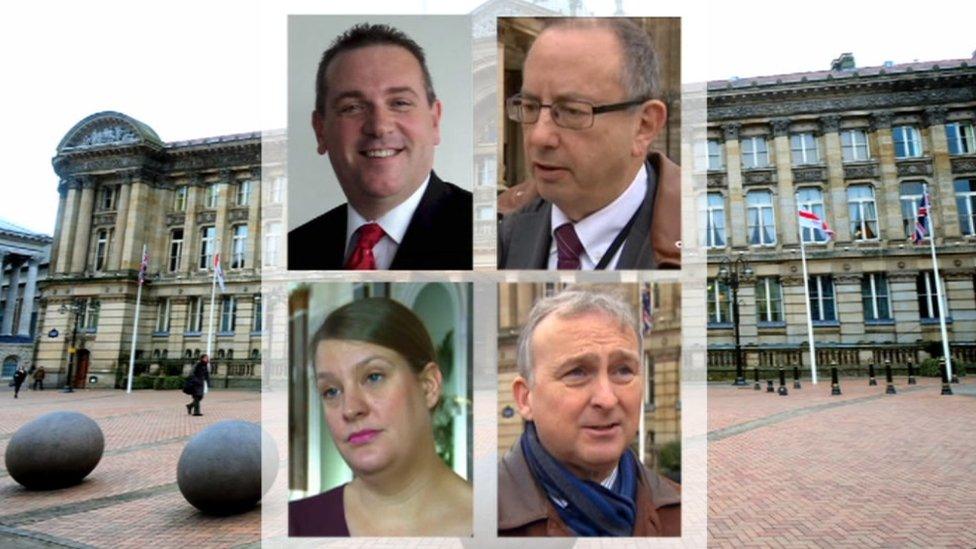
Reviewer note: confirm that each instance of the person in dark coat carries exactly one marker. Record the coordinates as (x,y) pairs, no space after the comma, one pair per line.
(201,374)
(19,376)
(39,375)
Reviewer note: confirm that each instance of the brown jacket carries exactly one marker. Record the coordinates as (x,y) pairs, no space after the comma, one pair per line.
(524,509)
(665,220)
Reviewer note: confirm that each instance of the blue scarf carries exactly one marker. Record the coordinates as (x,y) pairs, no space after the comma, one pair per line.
(591,510)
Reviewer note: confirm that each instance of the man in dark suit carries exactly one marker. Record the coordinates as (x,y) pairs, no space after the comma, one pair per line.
(589,113)
(378,119)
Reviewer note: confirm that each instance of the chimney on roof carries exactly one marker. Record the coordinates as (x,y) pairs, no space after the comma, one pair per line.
(843,63)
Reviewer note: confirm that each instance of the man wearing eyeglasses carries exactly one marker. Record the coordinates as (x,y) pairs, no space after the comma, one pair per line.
(589,111)
(378,119)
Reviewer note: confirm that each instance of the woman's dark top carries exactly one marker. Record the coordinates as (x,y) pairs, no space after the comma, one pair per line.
(321,515)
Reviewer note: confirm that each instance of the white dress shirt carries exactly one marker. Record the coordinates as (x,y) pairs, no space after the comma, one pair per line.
(394,223)
(598,230)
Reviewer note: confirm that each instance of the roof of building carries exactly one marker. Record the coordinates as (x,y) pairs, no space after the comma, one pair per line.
(8,227)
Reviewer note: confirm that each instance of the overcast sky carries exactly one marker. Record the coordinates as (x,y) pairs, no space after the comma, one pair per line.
(200,68)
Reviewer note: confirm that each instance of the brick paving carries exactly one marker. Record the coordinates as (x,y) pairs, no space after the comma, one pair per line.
(131,499)
(863,469)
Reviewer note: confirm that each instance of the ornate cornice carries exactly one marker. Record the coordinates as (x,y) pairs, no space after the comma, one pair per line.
(809,174)
(731,131)
(717,180)
(879,120)
(830,123)
(920,167)
(963,164)
(781,126)
(175,219)
(205,217)
(935,116)
(760,176)
(861,171)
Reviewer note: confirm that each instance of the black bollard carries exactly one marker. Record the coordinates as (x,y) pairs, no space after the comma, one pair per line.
(769,386)
(796,377)
(946,389)
(782,383)
(911,374)
(756,374)
(834,384)
(871,381)
(890,389)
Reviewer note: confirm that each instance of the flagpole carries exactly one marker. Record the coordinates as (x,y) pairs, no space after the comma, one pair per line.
(135,321)
(213,293)
(938,282)
(806,299)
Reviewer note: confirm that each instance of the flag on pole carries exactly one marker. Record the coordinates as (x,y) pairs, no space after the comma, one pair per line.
(144,266)
(810,220)
(646,318)
(218,272)
(921,231)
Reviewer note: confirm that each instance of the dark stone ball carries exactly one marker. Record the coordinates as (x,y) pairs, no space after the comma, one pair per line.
(56,450)
(220,470)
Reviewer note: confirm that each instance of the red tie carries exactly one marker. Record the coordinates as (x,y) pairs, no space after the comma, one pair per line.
(568,247)
(362,256)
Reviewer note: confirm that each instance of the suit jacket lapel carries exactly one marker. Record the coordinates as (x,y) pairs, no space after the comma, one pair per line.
(334,254)
(421,227)
(531,239)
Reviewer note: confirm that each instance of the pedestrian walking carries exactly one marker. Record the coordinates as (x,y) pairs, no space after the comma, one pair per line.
(194,385)
(19,376)
(39,375)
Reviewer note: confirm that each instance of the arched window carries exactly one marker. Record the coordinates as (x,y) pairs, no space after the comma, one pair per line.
(9,366)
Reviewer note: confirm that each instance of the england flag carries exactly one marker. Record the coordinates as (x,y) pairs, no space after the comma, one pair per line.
(810,220)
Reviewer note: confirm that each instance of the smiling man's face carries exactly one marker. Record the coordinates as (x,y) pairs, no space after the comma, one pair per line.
(377,126)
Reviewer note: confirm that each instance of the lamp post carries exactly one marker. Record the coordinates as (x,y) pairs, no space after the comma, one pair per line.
(730,273)
(77,308)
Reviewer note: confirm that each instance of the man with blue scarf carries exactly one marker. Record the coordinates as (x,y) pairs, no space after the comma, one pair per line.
(580,391)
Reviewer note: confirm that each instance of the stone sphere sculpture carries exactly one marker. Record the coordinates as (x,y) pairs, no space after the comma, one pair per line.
(56,450)
(223,471)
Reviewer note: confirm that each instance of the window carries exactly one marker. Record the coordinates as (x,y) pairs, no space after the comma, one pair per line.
(272,243)
(804,149)
(228,313)
(716,160)
(714,218)
(101,249)
(175,249)
(928,305)
(762,227)
(769,300)
(239,247)
(106,199)
(908,143)
(754,154)
(258,314)
(911,199)
(875,297)
(210,201)
(821,290)
(854,145)
(194,318)
(208,236)
(243,193)
(719,302)
(811,199)
(966,204)
(961,138)
(864,217)
(179,199)
(277,195)
(88,316)
(163,315)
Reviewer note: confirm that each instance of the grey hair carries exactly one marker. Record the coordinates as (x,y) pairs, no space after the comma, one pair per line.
(569,303)
(639,75)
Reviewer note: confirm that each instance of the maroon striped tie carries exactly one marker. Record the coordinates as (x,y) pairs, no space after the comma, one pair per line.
(568,247)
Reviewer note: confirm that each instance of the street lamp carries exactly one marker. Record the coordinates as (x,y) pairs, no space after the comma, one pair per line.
(77,308)
(730,272)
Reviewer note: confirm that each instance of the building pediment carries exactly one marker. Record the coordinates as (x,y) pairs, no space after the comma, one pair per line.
(108,129)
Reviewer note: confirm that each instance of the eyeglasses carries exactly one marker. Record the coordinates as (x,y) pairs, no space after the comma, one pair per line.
(573,115)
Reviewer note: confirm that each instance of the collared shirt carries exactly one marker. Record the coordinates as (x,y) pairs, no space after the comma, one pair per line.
(394,224)
(606,483)
(598,230)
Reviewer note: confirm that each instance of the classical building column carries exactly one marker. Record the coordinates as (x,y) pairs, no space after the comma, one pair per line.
(733,169)
(69,225)
(253,257)
(784,177)
(904,305)
(58,223)
(887,192)
(191,238)
(83,225)
(121,219)
(849,306)
(835,195)
(135,227)
(794,303)
(27,304)
(941,189)
(12,290)
(221,224)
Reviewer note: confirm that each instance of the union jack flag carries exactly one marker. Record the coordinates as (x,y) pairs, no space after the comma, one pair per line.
(646,306)
(921,231)
(143,267)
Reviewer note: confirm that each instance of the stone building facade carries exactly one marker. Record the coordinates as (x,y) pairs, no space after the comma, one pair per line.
(23,262)
(121,188)
(856,145)
(662,350)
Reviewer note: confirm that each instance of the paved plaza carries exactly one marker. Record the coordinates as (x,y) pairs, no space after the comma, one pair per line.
(131,499)
(863,469)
